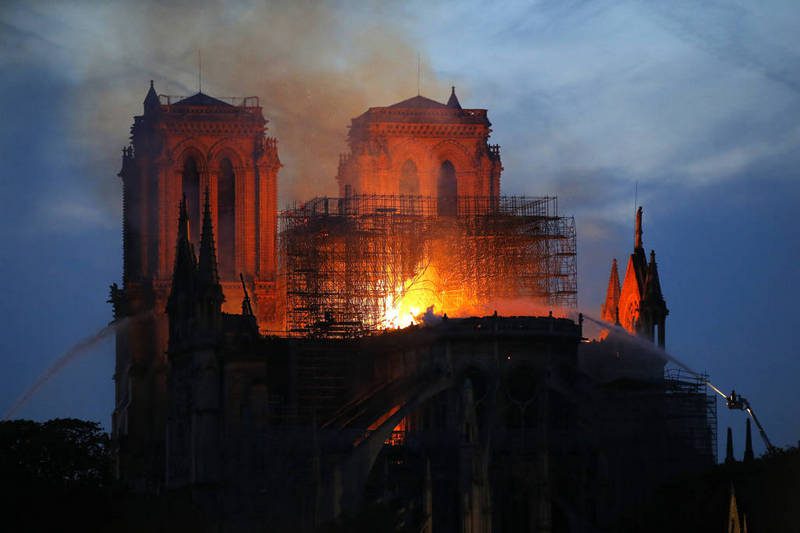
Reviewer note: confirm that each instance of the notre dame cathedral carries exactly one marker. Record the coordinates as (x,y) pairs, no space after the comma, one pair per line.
(258,378)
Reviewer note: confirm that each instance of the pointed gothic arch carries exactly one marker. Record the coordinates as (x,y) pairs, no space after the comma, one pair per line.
(190,186)
(226,219)
(447,189)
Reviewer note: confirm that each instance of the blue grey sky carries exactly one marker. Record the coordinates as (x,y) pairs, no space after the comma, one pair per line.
(697,102)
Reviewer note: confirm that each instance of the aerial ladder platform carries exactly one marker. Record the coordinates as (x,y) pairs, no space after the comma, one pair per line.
(737,401)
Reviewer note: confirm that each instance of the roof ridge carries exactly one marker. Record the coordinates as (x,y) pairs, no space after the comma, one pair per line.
(418,101)
(202,99)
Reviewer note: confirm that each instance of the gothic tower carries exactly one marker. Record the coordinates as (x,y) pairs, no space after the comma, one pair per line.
(421,147)
(179,148)
(639,306)
(193,402)
(610,312)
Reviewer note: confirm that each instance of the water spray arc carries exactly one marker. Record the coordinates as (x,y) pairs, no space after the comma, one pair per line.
(640,342)
(77,350)
(732,400)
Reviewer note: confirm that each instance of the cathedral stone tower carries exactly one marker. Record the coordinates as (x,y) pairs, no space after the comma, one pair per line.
(179,148)
(421,147)
(639,305)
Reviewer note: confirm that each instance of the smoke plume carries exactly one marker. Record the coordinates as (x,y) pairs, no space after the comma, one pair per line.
(314,67)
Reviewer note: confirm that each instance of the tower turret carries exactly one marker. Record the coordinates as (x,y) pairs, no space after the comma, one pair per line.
(653,307)
(151,102)
(181,302)
(729,448)
(209,289)
(748,443)
(642,309)
(637,231)
(453,100)
(610,311)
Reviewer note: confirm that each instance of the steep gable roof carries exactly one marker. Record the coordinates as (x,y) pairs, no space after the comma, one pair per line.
(418,102)
(201,99)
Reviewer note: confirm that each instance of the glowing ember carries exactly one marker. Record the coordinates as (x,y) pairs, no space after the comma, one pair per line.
(398,436)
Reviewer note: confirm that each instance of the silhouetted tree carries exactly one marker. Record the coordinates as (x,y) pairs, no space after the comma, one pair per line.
(54,473)
(61,453)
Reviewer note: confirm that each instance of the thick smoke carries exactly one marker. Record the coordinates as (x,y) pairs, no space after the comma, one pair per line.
(313,66)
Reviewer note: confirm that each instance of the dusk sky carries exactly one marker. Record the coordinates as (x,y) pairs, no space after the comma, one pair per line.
(697,102)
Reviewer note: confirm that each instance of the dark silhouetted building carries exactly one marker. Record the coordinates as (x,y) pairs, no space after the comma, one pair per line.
(494,422)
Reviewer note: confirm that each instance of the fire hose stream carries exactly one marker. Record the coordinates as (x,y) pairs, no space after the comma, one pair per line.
(732,400)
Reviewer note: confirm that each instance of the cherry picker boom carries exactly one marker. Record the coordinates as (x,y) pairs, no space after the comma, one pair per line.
(737,401)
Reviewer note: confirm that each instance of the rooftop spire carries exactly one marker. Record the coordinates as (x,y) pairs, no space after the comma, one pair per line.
(184,274)
(610,311)
(637,239)
(734,524)
(207,262)
(151,102)
(453,101)
(652,284)
(419,72)
(199,72)
(183,222)
(653,305)
(748,443)
(729,448)
(209,290)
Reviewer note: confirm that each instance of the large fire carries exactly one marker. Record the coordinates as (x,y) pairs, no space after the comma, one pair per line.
(433,293)
(407,303)
(430,292)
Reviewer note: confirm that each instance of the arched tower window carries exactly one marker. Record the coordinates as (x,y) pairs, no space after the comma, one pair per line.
(447,189)
(409,180)
(191,190)
(226,220)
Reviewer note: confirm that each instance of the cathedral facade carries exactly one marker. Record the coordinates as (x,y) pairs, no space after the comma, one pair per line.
(474,424)
(178,150)
(420,147)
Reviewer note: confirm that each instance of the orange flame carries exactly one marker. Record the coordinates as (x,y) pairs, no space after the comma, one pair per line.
(409,300)
(430,291)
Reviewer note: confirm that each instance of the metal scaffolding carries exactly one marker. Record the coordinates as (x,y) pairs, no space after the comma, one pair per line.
(343,260)
(691,412)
